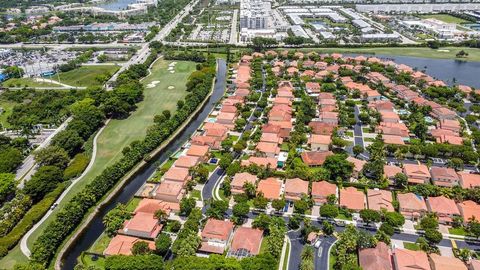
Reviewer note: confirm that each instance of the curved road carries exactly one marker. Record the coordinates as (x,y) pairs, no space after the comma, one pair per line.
(23,242)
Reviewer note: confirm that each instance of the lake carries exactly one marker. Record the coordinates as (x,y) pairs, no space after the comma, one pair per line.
(116,5)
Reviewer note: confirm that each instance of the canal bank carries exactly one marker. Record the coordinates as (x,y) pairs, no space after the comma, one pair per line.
(93,227)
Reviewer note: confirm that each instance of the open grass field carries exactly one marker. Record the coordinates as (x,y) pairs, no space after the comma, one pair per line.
(85,75)
(411,246)
(119,133)
(444,18)
(27,82)
(7,107)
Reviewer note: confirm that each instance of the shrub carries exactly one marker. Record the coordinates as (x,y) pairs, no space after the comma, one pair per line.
(77,166)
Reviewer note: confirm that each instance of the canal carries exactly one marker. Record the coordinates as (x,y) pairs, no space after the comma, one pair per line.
(95,228)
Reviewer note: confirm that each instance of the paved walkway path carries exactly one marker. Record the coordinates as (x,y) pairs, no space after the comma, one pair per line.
(23,242)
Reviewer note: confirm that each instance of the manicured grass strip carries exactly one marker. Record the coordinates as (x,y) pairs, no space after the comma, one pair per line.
(411,246)
(445,18)
(100,244)
(27,82)
(332,259)
(7,107)
(457,231)
(287,254)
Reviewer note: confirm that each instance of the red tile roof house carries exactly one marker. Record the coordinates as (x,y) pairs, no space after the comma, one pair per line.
(280,113)
(380,199)
(398,129)
(282,101)
(411,206)
(404,259)
(292,71)
(239,180)
(215,235)
(143,225)
(444,177)
(381,105)
(295,188)
(322,128)
(229,109)
(329,117)
(377,77)
(321,190)
(372,95)
(122,245)
(455,140)
(285,127)
(260,161)
(267,149)
(357,165)
(271,188)
(390,171)
(315,158)
(319,142)
(352,199)
(445,208)
(169,191)
(308,73)
(474,264)
(242,92)
(449,124)
(390,117)
(469,180)
(177,174)
(417,174)
(246,242)
(186,162)
(438,262)
(201,140)
(378,258)
(199,151)
(312,87)
(443,113)
(393,139)
(227,119)
(469,210)
(285,93)
(271,138)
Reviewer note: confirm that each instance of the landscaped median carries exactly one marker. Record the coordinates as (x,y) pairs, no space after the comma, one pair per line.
(73,213)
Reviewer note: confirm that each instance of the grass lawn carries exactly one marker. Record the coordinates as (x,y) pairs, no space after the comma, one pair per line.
(287,254)
(120,133)
(342,216)
(7,107)
(332,259)
(100,244)
(195,194)
(442,53)
(27,82)
(410,246)
(87,260)
(263,246)
(457,231)
(211,167)
(168,164)
(85,75)
(14,256)
(132,204)
(444,18)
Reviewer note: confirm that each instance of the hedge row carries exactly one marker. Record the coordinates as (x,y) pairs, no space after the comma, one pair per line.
(32,216)
(199,85)
(77,166)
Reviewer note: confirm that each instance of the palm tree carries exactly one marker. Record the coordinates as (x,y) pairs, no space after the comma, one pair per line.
(161,215)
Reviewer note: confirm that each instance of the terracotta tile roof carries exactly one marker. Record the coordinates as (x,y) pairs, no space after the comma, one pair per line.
(151,206)
(169,188)
(270,187)
(187,162)
(399,129)
(198,150)
(411,202)
(282,100)
(449,124)
(239,179)
(357,163)
(224,116)
(469,209)
(416,172)
(474,264)
(315,158)
(442,206)
(319,139)
(438,133)
(321,190)
(446,263)
(381,105)
(261,161)
(209,125)
(455,140)
(469,180)
(270,128)
(377,258)
(410,260)
(313,86)
(390,116)
(393,139)
(295,187)
(203,140)
(322,127)
(351,198)
(443,173)
(380,199)
(216,132)
(391,170)
(122,245)
(176,174)
(217,229)
(269,148)
(247,239)
(326,95)
(271,138)
(143,222)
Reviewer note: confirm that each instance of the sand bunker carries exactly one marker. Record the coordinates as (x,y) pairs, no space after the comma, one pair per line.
(172,71)
(152,84)
(171,87)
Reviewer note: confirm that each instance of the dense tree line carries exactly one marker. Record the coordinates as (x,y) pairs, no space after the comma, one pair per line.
(74,211)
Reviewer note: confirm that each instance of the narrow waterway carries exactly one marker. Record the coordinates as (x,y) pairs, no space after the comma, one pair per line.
(95,228)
